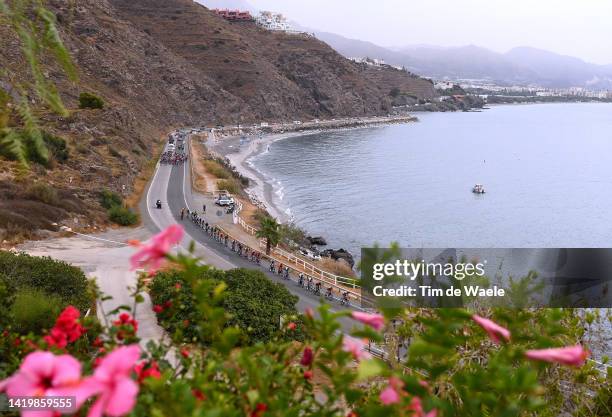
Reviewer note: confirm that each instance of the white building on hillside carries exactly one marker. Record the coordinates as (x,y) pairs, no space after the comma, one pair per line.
(365,60)
(272,21)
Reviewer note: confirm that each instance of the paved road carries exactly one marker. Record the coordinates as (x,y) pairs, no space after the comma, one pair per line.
(172,185)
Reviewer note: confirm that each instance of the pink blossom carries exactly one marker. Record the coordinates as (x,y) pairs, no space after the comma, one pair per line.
(570,355)
(493,329)
(389,396)
(376,321)
(416,406)
(152,256)
(112,383)
(355,347)
(45,374)
(393,392)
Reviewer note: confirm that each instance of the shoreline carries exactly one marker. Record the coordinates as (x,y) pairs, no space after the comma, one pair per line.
(261,190)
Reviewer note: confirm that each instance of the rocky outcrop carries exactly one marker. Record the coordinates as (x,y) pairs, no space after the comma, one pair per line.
(339,254)
(317,240)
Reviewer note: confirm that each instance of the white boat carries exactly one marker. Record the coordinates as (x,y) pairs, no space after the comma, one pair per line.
(478,189)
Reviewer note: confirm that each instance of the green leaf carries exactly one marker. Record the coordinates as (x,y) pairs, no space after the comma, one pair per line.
(369,368)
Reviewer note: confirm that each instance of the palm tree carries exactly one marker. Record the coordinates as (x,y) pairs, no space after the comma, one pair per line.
(269,230)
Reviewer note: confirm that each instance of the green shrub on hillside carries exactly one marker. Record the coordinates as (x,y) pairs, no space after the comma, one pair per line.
(44,193)
(109,198)
(34,310)
(51,277)
(122,216)
(90,101)
(117,212)
(57,146)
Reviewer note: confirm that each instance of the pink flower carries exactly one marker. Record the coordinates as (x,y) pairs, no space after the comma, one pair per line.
(392,394)
(45,374)
(417,407)
(376,321)
(570,355)
(493,329)
(356,347)
(152,256)
(112,383)
(389,396)
(67,329)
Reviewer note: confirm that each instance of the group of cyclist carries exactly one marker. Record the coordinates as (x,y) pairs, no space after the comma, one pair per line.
(173,158)
(217,234)
(304,281)
(308,282)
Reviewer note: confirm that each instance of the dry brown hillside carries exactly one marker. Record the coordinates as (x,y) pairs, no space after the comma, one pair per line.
(276,74)
(160,64)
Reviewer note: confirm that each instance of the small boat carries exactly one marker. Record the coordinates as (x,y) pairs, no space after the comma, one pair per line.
(478,189)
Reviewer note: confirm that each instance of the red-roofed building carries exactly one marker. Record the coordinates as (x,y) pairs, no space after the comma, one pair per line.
(234,15)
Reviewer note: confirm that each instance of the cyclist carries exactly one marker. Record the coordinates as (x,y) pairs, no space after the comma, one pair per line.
(286,273)
(345,299)
(329,293)
(318,288)
(272,266)
(301,279)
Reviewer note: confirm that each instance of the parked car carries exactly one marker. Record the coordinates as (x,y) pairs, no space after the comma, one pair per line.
(171,147)
(224,200)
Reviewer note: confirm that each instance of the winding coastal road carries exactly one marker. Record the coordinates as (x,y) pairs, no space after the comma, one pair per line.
(172,185)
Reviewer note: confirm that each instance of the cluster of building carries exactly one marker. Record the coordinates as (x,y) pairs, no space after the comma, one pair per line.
(272,21)
(524,90)
(374,62)
(267,20)
(369,61)
(574,92)
(234,15)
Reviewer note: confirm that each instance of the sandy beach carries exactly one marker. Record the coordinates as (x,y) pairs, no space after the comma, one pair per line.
(240,154)
(241,149)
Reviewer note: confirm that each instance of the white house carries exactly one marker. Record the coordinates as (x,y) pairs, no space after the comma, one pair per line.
(272,21)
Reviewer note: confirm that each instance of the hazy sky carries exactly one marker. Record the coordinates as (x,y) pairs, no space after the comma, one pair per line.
(582,28)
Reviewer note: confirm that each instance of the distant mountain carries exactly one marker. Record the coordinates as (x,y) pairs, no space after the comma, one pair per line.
(523,65)
(467,62)
(561,70)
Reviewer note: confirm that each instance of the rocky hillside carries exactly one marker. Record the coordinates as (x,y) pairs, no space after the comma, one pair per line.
(159,64)
(276,75)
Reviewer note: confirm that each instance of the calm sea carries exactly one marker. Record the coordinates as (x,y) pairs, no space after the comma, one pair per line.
(547,170)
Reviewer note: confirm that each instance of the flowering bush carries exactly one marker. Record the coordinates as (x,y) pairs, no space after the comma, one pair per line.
(457,363)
